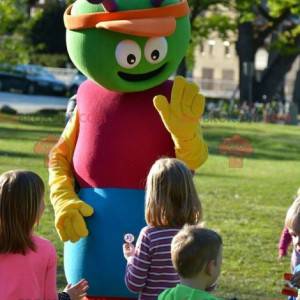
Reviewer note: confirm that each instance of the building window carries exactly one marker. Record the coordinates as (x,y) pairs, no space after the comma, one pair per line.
(207,78)
(202,49)
(226,48)
(211,45)
(227,80)
(228,74)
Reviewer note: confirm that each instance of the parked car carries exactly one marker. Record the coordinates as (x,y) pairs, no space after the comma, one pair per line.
(77,80)
(30,79)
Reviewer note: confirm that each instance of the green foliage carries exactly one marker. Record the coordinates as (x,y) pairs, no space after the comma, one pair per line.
(14,25)
(287,42)
(10,16)
(205,27)
(210,17)
(222,18)
(277,7)
(13,50)
(244,10)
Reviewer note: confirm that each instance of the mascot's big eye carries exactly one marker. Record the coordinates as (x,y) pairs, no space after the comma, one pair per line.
(128,54)
(156,50)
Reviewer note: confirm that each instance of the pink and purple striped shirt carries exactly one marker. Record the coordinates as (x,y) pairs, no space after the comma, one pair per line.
(150,271)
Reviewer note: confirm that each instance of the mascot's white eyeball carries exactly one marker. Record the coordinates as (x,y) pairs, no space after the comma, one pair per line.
(156,50)
(128,54)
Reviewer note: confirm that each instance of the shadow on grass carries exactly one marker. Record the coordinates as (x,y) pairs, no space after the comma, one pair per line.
(54,119)
(28,134)
(266,145)
(204,174)
(14,154)
(51,120)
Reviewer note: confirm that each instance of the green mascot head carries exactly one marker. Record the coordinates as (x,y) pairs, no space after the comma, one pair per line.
(127,45)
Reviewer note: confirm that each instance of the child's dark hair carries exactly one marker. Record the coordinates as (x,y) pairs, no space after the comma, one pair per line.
(192,248)
(21,196)
(171,197)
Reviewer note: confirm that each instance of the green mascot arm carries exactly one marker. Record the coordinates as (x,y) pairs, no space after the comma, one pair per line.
(181,118)
(69,209)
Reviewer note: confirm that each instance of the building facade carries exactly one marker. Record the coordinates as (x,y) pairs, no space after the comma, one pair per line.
(216,69)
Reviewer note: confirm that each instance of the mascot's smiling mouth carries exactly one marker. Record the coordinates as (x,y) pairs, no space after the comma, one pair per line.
(141,77)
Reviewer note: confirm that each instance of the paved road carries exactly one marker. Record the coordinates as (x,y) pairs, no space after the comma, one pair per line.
(32,103)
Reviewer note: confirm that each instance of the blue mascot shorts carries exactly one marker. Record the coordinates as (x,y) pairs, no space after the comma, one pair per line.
(99,258)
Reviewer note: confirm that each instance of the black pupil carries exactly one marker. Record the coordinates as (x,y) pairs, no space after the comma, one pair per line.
(155,55)
(131,59)
(95,1)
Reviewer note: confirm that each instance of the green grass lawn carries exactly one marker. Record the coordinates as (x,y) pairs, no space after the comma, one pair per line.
(246,205)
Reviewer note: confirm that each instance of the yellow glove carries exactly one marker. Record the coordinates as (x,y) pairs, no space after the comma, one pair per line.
(181,118)
(69,209)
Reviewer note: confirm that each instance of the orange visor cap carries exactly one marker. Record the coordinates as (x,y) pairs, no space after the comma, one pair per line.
(151,22)
(154,27)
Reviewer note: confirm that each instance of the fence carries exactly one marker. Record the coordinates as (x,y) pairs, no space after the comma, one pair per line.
(65,75)
(217,88)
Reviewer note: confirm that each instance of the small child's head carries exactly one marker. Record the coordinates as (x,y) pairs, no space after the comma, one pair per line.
(292,222)
(197,254)
(21,205)
(171,197)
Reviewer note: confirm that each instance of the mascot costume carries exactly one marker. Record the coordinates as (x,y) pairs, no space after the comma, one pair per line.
(128,115)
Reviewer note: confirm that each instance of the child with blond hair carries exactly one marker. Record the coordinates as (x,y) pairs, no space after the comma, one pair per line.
(171,202)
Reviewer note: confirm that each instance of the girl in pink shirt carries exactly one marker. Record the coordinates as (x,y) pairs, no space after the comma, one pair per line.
(27,261)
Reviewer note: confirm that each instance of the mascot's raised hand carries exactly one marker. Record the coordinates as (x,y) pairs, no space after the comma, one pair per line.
(181,117)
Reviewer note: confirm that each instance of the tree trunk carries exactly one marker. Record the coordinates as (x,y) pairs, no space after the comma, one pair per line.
(296,94)
(273,77)
(246,53)
(182,68)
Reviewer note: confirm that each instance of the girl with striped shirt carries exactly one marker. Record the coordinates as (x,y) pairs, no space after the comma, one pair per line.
(171,202)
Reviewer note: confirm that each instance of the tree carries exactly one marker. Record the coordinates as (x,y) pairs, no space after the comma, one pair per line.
(253,22)
(257,22)
(48,32)
(14,47)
